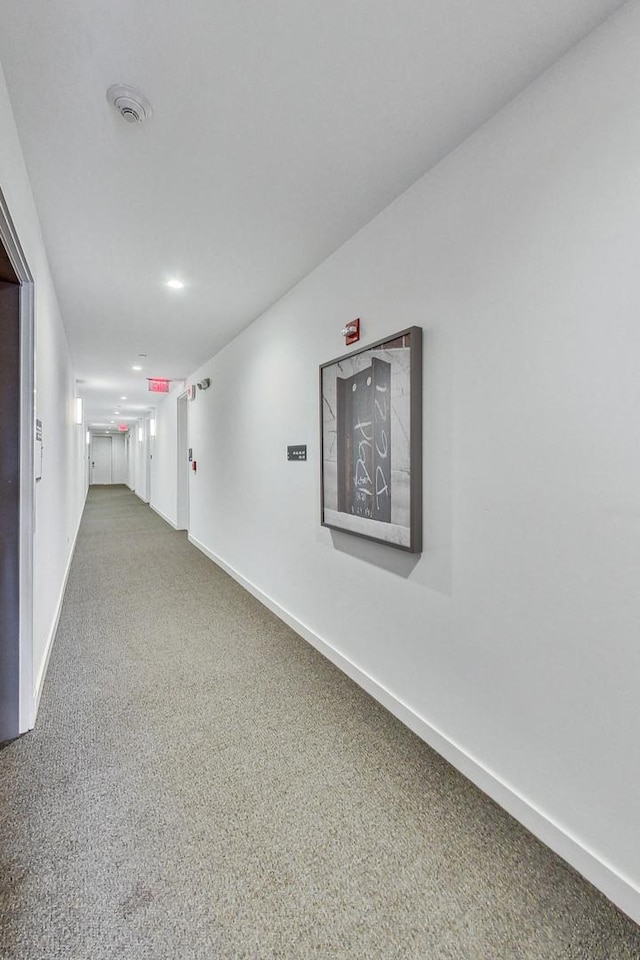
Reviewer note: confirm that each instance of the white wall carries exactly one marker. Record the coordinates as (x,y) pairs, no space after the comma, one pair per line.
(512,644)
(59,496)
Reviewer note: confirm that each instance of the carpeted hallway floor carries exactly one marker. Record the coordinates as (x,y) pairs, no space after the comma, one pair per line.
(203,785)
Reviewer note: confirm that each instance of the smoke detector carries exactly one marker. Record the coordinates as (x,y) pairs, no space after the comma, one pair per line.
(130,104)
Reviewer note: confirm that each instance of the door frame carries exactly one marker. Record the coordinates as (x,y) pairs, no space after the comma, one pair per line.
(182,479)
(148,455)
(101,436)
(11,243)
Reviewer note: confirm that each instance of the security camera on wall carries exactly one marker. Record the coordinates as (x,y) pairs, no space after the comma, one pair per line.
(204,384)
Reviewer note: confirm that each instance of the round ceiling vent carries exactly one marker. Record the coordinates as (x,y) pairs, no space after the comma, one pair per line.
(130,104)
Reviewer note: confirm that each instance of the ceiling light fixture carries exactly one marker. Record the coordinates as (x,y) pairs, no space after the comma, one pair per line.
(123,398)
(136,367)
(175,284)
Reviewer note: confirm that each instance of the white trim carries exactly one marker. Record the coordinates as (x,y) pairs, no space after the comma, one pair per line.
(618,887)
(139,495)
(11,243)
(37,690)
(162,515)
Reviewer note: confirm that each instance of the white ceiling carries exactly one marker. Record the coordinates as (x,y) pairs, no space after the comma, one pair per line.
(280,128)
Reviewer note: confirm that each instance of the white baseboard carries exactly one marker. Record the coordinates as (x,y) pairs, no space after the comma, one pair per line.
(596,869)
(42,673)
(163,516)
(140,497)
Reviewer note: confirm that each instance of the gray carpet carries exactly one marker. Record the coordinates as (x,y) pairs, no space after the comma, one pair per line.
(203,785)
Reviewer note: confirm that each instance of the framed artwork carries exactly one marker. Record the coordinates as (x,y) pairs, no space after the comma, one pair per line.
(371,435)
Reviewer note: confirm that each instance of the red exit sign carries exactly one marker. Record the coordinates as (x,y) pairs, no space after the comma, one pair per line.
(159,386)
(123,427)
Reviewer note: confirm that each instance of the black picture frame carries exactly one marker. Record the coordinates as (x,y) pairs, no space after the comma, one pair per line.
(371,441)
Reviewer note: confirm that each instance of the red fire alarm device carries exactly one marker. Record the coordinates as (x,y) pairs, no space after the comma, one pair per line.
(351,332)
(194,466)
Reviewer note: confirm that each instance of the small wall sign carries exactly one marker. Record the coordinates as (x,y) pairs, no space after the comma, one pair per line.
(297,452)
(38,450)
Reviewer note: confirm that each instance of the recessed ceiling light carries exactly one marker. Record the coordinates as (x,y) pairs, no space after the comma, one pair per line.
(175,284)
(123,398)
(111,421)
(136,367)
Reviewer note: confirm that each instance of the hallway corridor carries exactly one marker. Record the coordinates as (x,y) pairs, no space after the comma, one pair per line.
(203,785)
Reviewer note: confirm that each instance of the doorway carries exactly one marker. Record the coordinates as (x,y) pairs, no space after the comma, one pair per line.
(9,506)
(16,483)
(182,506)
(101,460)
(148,457)
(127,459)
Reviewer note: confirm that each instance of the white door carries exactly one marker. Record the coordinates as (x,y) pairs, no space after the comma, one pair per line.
(101,460)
